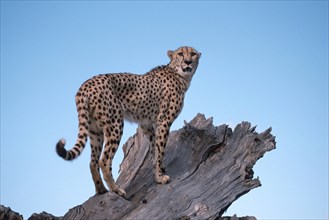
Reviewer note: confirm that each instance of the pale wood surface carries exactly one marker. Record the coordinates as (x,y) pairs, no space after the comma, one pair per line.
(210,167)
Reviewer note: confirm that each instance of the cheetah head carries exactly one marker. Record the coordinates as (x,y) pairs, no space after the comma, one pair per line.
(184,60)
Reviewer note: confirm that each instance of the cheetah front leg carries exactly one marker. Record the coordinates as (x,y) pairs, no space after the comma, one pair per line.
(149,133)
(161,135)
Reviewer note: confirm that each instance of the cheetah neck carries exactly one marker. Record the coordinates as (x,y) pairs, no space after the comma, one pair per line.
(184,77)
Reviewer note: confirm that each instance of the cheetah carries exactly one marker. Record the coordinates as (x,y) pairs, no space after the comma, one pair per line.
(153,100)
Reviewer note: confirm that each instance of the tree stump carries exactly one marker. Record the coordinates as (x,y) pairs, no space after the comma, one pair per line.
(209,167)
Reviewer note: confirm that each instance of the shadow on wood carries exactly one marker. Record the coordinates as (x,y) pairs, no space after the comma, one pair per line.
(210,167)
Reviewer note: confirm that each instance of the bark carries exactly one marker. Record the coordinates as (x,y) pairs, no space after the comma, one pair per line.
(210,167)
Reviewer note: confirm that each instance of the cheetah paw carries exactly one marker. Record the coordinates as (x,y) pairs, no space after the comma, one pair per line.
(163,179)
(120,192)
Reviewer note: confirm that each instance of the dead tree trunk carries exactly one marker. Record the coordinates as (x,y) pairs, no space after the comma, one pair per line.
(210,167)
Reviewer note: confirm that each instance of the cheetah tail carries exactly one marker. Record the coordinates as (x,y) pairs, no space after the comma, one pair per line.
(83,132)
(69,154)
(61,150)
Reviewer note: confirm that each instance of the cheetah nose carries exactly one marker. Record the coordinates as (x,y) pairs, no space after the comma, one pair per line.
(188,62)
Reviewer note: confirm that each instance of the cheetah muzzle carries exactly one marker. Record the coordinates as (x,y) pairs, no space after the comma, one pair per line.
(153,100)
(187,69)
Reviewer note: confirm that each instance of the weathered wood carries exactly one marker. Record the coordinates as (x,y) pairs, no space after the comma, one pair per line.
(210,167)
(7,214)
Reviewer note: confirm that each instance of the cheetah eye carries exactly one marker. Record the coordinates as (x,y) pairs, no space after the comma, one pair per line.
(180,54)
(193,54)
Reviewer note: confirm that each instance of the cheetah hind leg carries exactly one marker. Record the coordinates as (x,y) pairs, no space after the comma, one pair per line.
(106,167)
(107,174)
(96,142)
(107,157)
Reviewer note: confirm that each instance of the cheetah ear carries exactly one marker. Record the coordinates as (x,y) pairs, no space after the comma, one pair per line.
(169,53)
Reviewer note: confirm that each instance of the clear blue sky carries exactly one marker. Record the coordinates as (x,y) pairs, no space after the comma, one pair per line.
(262,61)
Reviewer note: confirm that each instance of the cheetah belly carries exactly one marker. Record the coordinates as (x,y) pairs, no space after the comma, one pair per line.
(142,115)
(129,116)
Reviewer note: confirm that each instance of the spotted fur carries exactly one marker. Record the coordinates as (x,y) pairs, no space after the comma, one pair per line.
(153,100)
